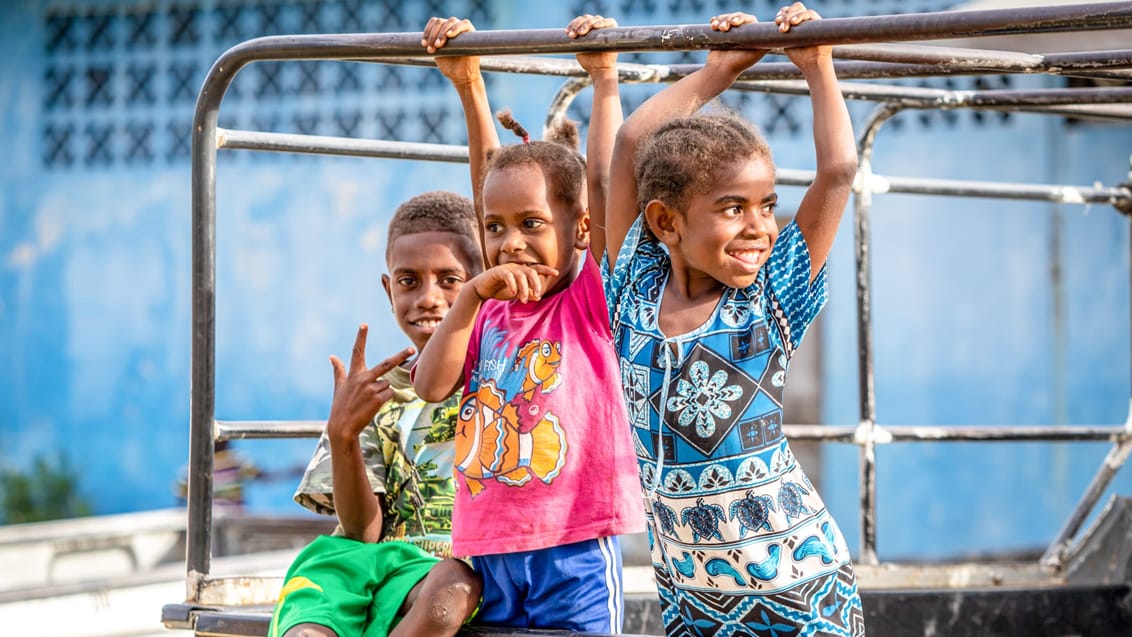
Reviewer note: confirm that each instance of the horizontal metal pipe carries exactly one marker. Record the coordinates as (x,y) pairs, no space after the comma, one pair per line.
(986,59)
(926,98)
(864,69)
(1103,103)
(851,61)
(267,429)
(856,30)
(1115,196)
(1082,60)
(628,72)
(1119,196)
(343,146)
(973,433)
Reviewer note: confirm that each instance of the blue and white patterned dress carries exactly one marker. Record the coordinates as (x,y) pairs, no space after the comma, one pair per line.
(740,540)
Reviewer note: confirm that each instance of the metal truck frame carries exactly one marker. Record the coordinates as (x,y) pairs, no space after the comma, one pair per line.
(221,605)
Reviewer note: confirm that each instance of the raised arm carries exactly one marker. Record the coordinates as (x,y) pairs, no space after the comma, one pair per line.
(464,73)
(819,213)
(605,119)
(358,394)
(678,100)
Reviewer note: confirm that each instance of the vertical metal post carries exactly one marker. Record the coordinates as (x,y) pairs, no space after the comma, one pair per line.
(863,199)
(202,407)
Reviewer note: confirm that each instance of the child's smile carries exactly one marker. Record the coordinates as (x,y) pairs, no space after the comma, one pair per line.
(727,233)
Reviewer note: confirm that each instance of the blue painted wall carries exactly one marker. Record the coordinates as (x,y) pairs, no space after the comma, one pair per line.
(96,106)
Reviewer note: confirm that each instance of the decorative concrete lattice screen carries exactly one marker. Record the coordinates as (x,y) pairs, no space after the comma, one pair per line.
(119,82)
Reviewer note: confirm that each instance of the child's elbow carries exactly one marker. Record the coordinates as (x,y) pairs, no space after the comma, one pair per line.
(843,170)
(430,392)
(629,135)
(427,392)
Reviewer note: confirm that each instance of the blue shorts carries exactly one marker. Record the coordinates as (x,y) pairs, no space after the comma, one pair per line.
(571,587)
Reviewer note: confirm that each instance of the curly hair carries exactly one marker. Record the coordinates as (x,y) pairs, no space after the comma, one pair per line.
(438,211)
(557,157)
(686,156)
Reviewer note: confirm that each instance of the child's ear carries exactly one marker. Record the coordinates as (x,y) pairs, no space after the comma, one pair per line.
(582,233)
(385,283)
(661,219)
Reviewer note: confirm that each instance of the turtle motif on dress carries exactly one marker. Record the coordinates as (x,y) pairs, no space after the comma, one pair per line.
(790,499)
(704,520)
(753,512)
(666,516)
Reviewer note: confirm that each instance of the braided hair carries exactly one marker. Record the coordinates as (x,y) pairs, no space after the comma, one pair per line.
(557,157)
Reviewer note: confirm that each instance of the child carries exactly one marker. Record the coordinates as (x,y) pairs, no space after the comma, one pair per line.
(545,468)
(708,301)
(384,464)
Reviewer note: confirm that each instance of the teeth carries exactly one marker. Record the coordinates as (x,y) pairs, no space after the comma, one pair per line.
(426,323)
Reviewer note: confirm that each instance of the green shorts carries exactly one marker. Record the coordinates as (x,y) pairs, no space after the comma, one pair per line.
(354,588)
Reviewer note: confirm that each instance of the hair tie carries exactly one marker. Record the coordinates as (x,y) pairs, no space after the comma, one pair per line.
(510,124)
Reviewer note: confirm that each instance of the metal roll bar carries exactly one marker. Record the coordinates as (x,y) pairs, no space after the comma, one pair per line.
(207,138)
(854,61)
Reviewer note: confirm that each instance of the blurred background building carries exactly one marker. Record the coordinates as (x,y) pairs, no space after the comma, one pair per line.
(985,311)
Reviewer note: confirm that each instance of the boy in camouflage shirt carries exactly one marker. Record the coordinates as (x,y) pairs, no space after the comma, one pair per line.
(384,464)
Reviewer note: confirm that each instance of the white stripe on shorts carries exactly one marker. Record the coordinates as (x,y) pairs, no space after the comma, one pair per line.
(612,585)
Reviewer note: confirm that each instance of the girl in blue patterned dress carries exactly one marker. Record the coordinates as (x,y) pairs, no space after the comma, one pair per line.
(708,301)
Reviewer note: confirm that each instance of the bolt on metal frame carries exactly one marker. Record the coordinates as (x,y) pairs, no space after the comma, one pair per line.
(871,61)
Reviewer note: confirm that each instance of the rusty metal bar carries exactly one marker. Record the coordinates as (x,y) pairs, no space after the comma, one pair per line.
(346,146)
(854,61)
(923,97)
(887,434)
(202,403)
(628,72)
(342,146)
(1115,458)
(857,30)
(1114,64)
(268,429)
(906,60)
(1117,197)
(1102,103)
(562,99)
(279,429)
(866,434)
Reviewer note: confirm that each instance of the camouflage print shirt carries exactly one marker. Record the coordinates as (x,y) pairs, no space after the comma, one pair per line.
(408,452)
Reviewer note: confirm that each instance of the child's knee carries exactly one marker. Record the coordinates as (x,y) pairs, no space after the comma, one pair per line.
(310,630)
(455,593)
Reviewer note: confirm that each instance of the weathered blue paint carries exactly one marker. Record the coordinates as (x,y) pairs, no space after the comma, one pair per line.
(95,281)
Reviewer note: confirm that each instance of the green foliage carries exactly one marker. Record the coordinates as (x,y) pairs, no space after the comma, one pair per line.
(48,491)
